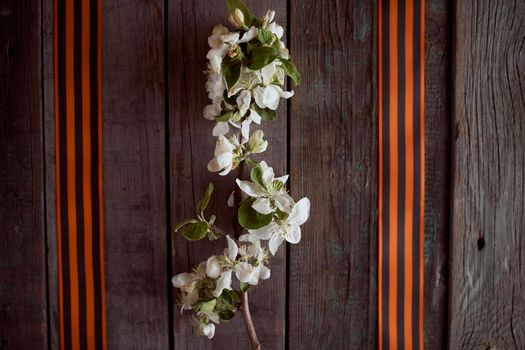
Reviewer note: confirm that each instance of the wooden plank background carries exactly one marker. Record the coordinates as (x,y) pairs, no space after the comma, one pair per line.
(487,298)
(322,293)
(23,290)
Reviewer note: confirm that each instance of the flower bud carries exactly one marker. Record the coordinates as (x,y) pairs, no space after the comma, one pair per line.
(207,329)
(256,143)
(268,18)
(237,19)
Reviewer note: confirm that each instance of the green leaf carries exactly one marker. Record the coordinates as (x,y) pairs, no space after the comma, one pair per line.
(252,45)
(261,57)
(291,70)
(232,74)
(235,297)
(225,302)
(265,113)
(195,231)
(281,215)
(251,219)
(205,199)
(226,315)
(256,175)
(224,117)
(265,36)
(239,4)
(208,306)
(244,287)
(184,223)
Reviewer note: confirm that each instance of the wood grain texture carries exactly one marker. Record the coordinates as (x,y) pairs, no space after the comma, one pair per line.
(50,171)
(191,147)
(134,181)
(437,171)
(487,309)
(23,295)
(332,301)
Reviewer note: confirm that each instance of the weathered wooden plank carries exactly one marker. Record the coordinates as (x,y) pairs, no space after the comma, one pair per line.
(487,308)
(191,147)
(23,296)
(332,300)
(437,171)
(50,170)
(134,175)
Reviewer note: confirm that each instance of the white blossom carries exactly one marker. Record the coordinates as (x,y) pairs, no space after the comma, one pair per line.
(269,96)
(288,229)
(225,153)
(270,194)
(239,96)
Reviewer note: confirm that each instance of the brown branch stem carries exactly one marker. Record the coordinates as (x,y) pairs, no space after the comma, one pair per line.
(250,329)
(245,306)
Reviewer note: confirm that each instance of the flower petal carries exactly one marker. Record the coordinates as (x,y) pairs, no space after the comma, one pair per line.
(230,38)
(224,160)
(249,237)
(213,165)
(244,271)
(224,282)
(275,242)
(263,165)
(267,177)
(230,200)
(250,188)
(212,111)
(283,178)
(300,212)
(249,35)
(223,145)
(245,129)
(226,170)
(284,202)
(267,97)
(266,231)
(243,101)
(276,29)
(233,249)
(264,273)
(262,205)
(282,93)
(293,235)
(213,267)
(182,280)
(220,129)
(256,118)
(267,73)
(208,330)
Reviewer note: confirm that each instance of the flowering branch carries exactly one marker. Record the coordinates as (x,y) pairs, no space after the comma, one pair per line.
(247,69)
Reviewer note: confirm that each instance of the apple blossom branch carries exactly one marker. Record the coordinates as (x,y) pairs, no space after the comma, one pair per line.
(247,71)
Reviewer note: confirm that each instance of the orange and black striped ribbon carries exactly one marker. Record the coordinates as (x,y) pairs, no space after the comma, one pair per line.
(401,173)
(78,113)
